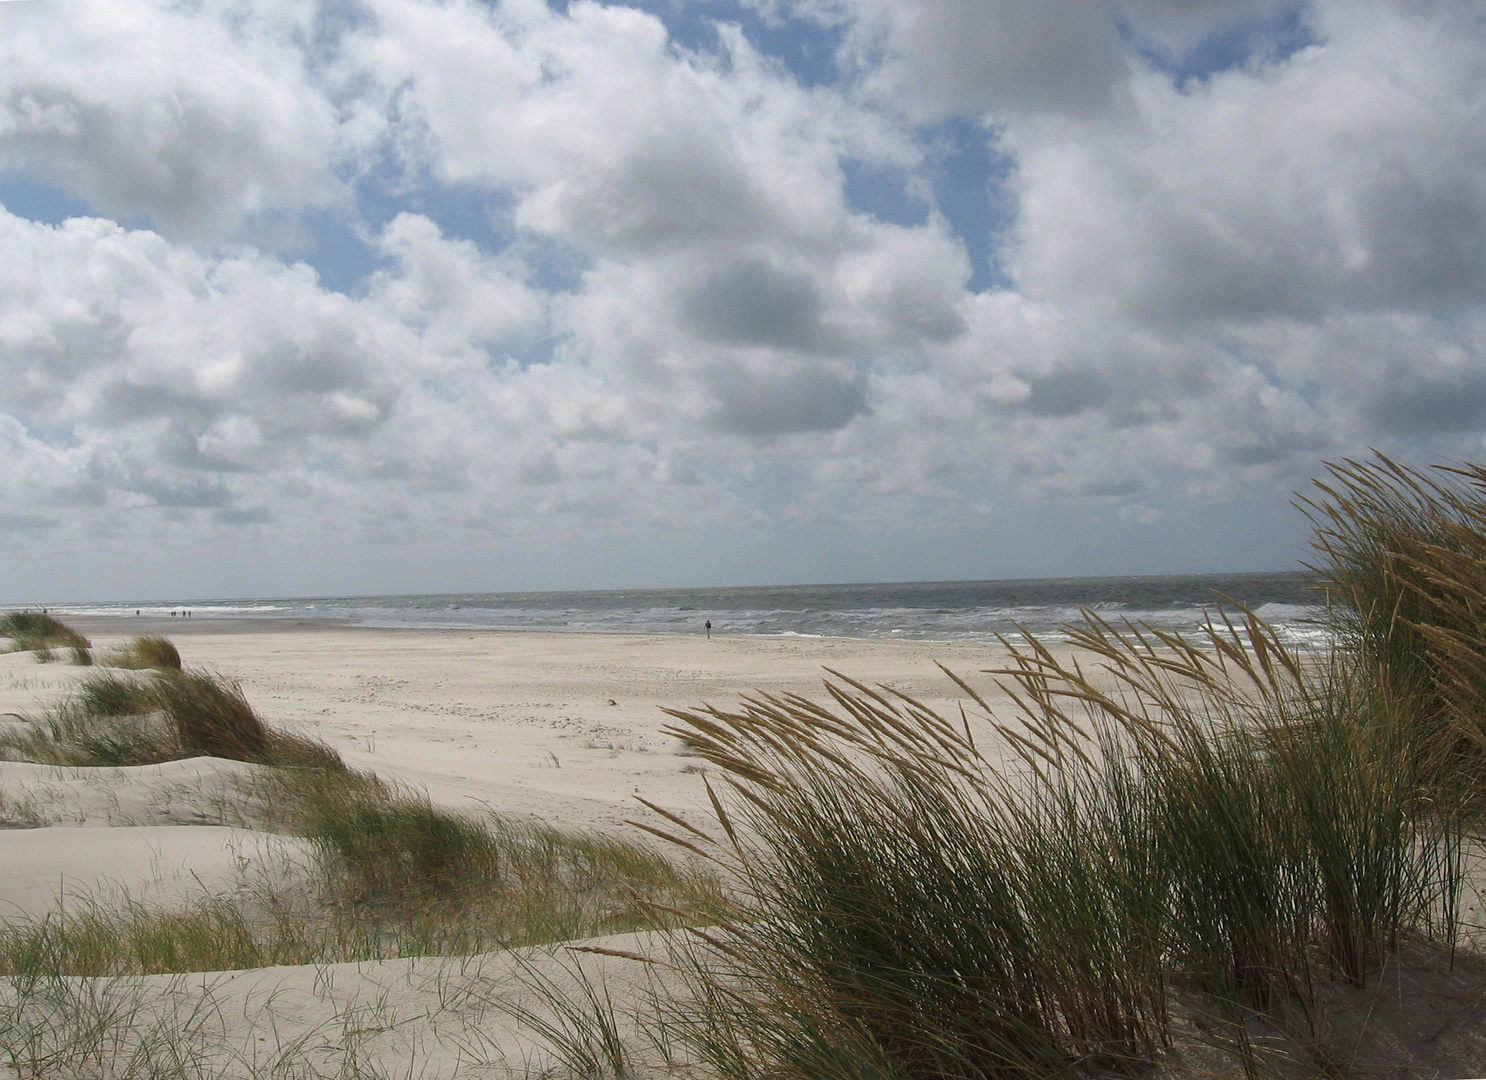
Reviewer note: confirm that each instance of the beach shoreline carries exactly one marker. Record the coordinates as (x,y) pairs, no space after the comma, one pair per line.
(566,727)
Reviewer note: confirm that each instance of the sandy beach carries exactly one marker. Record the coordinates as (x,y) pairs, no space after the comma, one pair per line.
(561,728)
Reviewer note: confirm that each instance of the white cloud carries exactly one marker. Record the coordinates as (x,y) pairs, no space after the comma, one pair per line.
(1214,281)
(199,116)
(1350,177)
(612,139)
(460,298)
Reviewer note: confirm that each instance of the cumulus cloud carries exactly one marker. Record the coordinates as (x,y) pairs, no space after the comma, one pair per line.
(1237,236)
(751,303)
(1348,177)
(1061,56)
(196,117)
(1068,59)
(611,138)
(460,298)
(168,368)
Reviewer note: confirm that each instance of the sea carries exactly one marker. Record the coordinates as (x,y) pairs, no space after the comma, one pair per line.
(927,611)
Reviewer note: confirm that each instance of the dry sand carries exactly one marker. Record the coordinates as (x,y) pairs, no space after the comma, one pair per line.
(562,727)
(566,728)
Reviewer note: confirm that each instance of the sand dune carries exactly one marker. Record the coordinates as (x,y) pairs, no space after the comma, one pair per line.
(189,792)
(61,867)
(562,728)
(424,1019)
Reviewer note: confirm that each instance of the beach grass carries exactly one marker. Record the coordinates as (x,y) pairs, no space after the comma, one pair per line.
(392,877)
(36,630)
(180,1028)
(556,887)
(145,651)
(156,714)
(477,882)
(210,716)
(106,720)
(576,1017)
(1185,831)
(1401,554)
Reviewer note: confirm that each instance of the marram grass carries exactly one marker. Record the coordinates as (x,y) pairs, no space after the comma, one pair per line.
(35,630)
(521,885)
(1206,825)
(145,651)
(1401,553)
(116,718)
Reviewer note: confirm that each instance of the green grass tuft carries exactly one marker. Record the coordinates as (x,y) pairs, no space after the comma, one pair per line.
(400,849)
(114,719)
(396,876)
(32,630)
(146,651)
(210,716)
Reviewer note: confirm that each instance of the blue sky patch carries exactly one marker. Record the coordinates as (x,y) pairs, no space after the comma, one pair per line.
(40,202)
(1269,40)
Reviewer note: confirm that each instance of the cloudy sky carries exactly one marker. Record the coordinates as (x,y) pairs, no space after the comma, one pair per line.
(410,295)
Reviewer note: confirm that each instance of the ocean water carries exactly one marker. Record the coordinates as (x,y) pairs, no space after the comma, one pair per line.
(935,611)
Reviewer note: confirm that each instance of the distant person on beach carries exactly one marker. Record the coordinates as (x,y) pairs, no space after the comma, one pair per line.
(709,629)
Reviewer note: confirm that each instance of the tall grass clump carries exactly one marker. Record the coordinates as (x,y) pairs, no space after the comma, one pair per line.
(899,916)
(35,630)
(210,715)
(114,719)
(470,882)
(1294,813)
(398,846)
(108,720)
(95,938)
(1402,559)
(1164,826)
(396,875)
(146,651)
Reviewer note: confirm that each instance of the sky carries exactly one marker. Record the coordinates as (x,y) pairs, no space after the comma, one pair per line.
(392,296)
